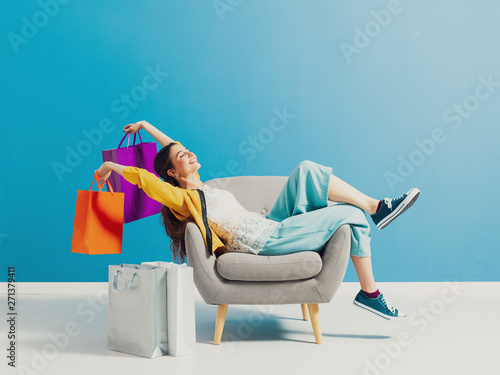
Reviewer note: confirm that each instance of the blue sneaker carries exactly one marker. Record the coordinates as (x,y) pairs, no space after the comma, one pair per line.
(392,208)
(378,306)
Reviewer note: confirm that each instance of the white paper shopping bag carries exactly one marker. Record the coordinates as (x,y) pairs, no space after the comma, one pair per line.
(137,316)
(180,307)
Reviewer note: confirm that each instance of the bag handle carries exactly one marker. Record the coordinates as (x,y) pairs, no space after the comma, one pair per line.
(99,185)
(138,266)
(128,139)
(129,284)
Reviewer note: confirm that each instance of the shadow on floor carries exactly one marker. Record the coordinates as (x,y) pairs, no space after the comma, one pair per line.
(45,320)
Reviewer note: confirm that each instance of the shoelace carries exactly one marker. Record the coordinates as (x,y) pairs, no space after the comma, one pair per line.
(388,201)
(388,305)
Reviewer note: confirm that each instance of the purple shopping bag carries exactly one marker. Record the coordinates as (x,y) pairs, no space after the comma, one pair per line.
(137,204)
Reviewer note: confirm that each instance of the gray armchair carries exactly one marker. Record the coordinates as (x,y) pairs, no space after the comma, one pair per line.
(307,278)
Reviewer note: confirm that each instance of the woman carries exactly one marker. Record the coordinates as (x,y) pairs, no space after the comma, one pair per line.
(295,223)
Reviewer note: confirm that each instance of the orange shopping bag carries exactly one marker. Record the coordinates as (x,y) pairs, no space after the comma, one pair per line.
(98,225)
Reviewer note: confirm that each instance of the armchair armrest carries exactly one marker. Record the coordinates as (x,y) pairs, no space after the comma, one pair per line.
(335,257)
(206,278)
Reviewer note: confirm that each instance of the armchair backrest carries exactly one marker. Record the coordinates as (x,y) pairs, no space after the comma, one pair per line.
(255,193)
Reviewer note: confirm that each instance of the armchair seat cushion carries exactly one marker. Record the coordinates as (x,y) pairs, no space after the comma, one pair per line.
(250,267)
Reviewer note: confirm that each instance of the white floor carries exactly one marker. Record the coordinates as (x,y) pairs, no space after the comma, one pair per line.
(453,328)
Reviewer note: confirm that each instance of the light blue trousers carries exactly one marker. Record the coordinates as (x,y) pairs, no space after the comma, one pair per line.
(306,220)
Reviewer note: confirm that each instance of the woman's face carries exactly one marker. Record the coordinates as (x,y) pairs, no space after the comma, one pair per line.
(184,161)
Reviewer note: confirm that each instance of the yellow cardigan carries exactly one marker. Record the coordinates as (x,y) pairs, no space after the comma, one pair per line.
(183,203)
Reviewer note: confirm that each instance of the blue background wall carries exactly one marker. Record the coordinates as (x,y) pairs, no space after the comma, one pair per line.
(366,83)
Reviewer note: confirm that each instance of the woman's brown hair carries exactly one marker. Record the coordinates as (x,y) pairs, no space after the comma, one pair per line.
(174,228)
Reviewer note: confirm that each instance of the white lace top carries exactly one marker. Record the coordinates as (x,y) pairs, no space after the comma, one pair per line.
(241,230)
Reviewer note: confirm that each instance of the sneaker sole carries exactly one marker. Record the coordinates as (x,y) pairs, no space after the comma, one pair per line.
(407,203)
(378,313)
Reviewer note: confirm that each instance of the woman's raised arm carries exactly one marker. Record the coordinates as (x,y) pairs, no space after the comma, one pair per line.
(161,138)
(105,169)
(161,191)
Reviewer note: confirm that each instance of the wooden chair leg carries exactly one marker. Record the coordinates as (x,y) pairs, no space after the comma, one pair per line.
(314,312)
(305,315)
(219,322)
